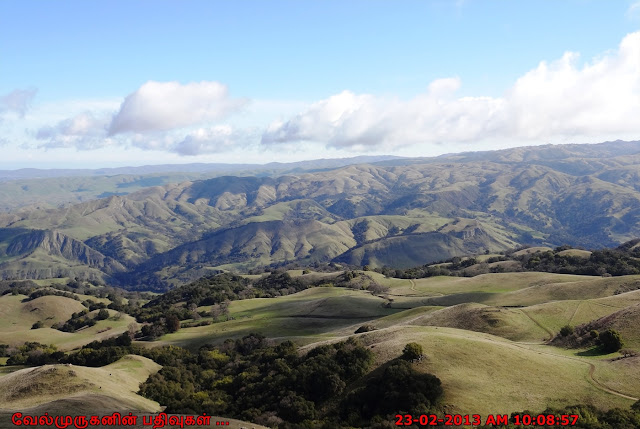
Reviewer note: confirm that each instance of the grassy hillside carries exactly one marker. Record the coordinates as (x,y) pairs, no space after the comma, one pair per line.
(478,376)
(17,318)
(304,316)
(472,340)
(31,387)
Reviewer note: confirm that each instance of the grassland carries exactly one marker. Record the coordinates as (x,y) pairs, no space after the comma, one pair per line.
(17,317)
(475,332)
(31,387)
(477,371)
(305,317)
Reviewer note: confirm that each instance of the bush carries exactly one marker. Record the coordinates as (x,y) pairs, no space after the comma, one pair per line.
(566,330)
(611,341)
(412,351)
(399,389)
(173,323)
(365,328)
(37,325)
(102,314)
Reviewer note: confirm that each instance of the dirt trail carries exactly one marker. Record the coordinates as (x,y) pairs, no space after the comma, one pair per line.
(548,331)
(575,312)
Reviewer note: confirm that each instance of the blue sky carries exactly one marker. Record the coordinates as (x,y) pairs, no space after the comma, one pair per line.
(101,83)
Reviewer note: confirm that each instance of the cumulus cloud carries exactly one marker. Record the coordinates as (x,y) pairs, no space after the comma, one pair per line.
(83,131)
(557,99)
(17,101)
(162,116)
(157,106)
(204,140)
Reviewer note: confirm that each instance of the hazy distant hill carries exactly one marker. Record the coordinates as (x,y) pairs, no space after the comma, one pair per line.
(400,212)
(41,189)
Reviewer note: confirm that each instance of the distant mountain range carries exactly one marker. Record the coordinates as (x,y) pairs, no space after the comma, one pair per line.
(37,173)
(399,212)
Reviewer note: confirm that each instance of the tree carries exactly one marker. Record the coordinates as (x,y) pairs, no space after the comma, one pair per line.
(566,330)
(123,340)
(216,311)
(173,323)
(412,351)
(132,328)
(37,325)
(611,341)
(103,314)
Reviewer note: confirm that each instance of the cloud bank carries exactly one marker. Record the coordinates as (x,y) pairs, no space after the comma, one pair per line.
(157,106)
(204,140)
(557,99)
(83,132)
(562,99)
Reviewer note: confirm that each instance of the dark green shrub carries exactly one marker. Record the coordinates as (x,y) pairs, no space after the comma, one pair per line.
(566,330)
(611,341)
(412,351)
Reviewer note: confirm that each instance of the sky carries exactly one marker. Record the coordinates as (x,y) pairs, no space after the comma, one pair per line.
(90,84)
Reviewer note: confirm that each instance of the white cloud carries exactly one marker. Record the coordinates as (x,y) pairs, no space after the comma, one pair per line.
(83,131)
(204,140)
(158,116)
(17,101)
(210,140)
(555,100)
(159,106)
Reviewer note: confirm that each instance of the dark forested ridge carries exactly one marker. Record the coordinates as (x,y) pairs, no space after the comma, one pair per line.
(622,260)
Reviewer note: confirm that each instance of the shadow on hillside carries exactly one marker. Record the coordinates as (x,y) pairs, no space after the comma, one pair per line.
(593,351)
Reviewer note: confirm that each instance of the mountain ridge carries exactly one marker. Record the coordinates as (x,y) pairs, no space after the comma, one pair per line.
(366,214)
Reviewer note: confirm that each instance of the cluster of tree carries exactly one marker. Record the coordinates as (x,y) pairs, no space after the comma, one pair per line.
(80,320)
(273,385)
(33,353)
(590,417)
(49,291)
(316,266)
(161,326)
(100,353)
(586,335)
(620,261)
(420,272)
(216,291)
(17,287)
(205,291)
(396,388)
(614,262)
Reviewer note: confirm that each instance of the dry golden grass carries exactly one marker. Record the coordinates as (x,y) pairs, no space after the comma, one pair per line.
(485,374)
(15,315)
(31,387)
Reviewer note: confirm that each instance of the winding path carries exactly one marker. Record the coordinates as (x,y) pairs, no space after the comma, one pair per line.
(548,331)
